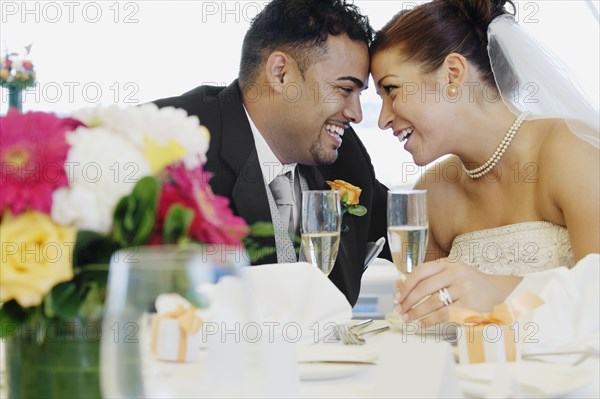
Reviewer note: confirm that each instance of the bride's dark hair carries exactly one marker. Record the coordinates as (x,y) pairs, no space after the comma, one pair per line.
(427,33)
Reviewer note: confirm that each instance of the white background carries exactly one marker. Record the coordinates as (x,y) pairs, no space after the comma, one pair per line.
(131,52)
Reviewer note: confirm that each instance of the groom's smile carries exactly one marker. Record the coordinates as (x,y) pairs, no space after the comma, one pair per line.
(336,131)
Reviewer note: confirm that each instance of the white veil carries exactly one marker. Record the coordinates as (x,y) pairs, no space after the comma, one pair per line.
(532,79)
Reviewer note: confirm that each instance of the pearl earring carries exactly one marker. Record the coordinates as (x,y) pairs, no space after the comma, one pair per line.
(452,90)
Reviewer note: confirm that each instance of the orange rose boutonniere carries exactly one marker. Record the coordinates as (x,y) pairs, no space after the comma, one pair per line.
(349,196)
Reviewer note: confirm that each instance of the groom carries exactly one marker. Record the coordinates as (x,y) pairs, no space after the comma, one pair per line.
(303,66)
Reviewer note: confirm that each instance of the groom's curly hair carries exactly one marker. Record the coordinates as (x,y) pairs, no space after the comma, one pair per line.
(300,28)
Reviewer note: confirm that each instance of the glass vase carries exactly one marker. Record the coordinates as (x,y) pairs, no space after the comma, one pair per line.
(54,360)
(15,98)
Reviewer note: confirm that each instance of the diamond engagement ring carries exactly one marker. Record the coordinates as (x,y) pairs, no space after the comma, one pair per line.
(445,296)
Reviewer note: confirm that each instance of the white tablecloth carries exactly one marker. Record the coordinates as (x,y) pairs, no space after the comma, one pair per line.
(359,380)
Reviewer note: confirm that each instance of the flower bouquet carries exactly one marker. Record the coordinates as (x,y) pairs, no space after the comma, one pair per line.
(16,74)
(75,190)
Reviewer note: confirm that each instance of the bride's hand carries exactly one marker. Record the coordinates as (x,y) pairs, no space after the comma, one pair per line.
(468,288)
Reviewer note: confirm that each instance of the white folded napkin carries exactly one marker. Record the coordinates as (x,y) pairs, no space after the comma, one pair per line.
(256,320)
(299,298)
(570,317)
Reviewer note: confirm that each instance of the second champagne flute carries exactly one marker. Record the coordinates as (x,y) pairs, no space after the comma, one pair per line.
(321,223)
(408,228)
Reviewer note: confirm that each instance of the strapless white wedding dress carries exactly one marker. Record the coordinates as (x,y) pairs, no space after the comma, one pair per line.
(515,249)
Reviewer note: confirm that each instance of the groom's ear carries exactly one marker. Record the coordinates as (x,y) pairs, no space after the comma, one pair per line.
(280,69)
(455,68)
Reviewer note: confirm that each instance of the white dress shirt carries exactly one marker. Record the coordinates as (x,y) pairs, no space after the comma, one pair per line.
(270,166)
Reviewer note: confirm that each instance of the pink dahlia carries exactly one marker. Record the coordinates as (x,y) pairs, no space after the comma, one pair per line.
(33,150)
(214,222)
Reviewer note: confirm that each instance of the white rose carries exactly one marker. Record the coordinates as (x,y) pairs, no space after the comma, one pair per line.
(102,168)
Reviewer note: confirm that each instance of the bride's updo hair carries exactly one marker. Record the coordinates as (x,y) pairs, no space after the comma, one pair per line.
(427,33)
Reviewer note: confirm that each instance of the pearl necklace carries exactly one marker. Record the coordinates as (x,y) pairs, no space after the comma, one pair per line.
(489,165)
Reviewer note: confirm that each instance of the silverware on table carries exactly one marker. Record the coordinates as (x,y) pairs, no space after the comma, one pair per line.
(349,337)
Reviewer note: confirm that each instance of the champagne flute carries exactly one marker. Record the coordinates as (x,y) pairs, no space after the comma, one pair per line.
(408,228)
(321,223)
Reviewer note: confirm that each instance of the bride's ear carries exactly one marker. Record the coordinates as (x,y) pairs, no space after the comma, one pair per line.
(455,69)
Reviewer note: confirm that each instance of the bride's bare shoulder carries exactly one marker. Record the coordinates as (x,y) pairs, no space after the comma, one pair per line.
(567,163)
(560,148)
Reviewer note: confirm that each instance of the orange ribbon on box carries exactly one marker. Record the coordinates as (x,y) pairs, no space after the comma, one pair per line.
(189,323)
(503,315)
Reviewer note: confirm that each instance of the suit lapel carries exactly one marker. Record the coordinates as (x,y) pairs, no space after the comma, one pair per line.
(248,194)
(238,142)
(313,177)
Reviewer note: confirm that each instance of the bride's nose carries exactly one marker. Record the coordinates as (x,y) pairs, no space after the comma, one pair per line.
(386,116)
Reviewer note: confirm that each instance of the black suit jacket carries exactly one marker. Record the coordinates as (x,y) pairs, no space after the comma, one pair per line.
(233,161)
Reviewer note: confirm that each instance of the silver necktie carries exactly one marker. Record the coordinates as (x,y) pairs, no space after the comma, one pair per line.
(282,187)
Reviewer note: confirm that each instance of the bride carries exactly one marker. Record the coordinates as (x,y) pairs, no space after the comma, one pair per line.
(519,192)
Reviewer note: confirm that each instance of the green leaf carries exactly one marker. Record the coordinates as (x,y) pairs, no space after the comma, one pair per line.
(135,214)
(345,197)
(144,227)
(177,223)
(261,229)
(93,248)
(64,300)
(256,253)
(357,210)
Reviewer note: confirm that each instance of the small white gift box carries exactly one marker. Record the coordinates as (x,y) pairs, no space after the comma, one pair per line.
(176,335)
(488,343)
(490,337)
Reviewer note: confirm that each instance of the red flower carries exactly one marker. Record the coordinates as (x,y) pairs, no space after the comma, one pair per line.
(33,151)
(214,222)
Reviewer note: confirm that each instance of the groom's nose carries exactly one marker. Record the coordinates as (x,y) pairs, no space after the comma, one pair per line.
(352,110)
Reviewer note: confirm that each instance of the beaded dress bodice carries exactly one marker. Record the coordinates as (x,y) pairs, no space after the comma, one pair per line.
(515,249)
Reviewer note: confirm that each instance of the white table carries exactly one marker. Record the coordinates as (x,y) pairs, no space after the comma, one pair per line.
(361,382)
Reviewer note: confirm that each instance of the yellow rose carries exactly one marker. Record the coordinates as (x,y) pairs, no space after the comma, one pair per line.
(4,74)
(344,187)
(36,255)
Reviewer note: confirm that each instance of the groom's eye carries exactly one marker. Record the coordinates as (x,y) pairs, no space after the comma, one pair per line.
(347,90)
(388,89)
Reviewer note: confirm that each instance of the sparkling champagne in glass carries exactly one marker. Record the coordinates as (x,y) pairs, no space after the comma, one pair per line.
(408,228)
(321,223)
